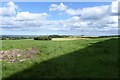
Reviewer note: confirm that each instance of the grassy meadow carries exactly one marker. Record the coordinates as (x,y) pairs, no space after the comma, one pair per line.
(81,58)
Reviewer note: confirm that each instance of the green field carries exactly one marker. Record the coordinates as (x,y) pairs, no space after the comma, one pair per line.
(84,58)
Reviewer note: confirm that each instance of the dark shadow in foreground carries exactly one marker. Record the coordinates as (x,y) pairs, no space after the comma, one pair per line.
(99,60)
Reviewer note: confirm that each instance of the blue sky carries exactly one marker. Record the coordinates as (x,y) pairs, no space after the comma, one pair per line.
(64,18)
(40,7)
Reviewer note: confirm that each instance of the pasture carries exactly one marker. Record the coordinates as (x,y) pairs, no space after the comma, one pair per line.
(70,58)
(67,39)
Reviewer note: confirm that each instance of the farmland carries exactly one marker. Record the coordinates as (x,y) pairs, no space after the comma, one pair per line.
(70,58)
(67,39)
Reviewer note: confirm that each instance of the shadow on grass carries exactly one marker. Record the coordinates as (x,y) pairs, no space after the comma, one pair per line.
(99,60)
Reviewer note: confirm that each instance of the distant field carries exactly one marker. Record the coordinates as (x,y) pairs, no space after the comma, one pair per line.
(76,58)
(66,39)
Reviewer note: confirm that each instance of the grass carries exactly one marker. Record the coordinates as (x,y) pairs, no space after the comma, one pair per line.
(85,58)
(66,39)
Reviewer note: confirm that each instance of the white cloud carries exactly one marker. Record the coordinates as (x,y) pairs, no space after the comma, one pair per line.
(96,19)
(8,10)
(115,6)
(23,16)
(59,7)
(9,16)
(6,21)
(73,12)
(96,12)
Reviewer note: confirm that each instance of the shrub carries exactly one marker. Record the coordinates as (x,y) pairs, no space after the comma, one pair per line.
(42,38)
(4,38)
(58,36)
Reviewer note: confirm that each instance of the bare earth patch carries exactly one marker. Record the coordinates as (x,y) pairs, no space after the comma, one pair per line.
(17,55)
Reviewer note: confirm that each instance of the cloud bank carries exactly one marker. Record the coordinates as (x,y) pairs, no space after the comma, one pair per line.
(97,20)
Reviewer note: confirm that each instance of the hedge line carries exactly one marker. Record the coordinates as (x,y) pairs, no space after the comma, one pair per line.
(43,38)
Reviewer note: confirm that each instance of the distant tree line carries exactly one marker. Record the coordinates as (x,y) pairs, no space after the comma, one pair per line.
(93,37)
(58,36)
(43,38)
(14,38)
(49,37)
(109,36)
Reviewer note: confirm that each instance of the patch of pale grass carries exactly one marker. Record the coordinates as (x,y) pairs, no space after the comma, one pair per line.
(66,39)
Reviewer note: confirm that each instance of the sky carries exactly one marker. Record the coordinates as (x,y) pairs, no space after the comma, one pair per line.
(61,18)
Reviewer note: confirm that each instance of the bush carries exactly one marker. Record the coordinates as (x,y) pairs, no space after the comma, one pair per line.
(15,38)
(4,38)
(58,36)
(43,38)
